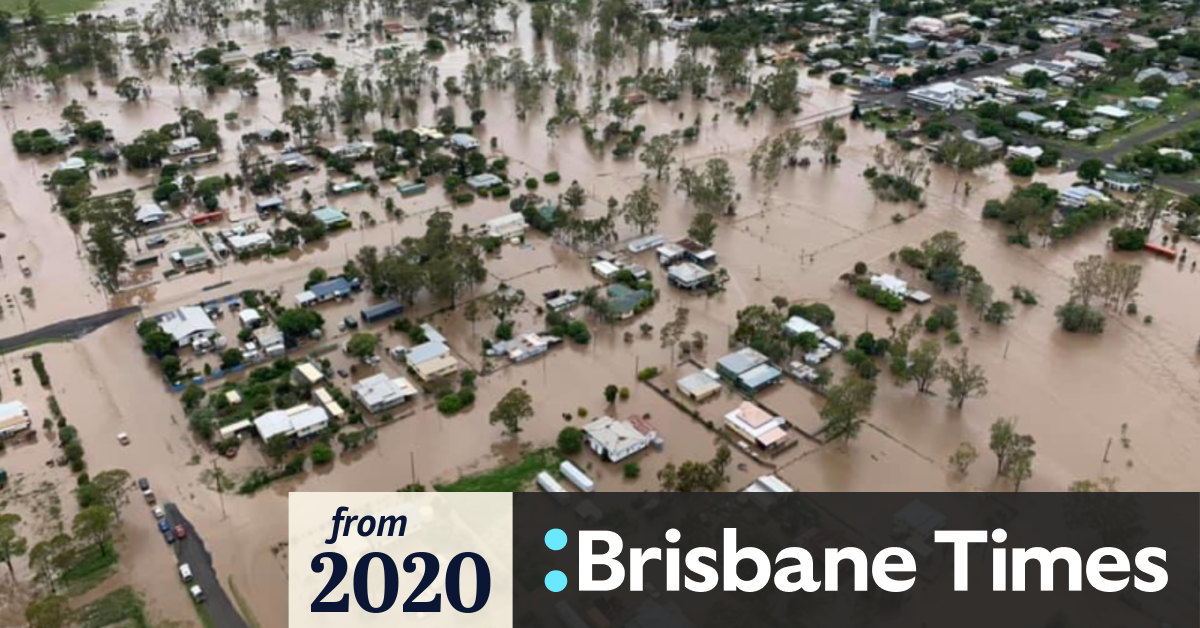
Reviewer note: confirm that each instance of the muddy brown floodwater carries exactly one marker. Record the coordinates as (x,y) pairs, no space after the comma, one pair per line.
(793,238)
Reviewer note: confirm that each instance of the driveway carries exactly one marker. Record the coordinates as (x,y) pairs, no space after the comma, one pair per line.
(191,550)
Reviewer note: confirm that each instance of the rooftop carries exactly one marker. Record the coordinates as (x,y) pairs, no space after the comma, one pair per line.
(741,361)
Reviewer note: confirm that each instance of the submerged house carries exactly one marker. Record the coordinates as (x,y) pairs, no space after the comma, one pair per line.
(615,440)
(757,426)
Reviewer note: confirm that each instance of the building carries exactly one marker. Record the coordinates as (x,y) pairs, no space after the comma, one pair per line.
(605,269)
(698,386)
(332,218)
(307,374)
(506,226)
(293,161)
(1079,196)
(759,378)
(1141,42)
(381,311)
(944,96)
(623,301)
(697,253)
(484,181)
(757,426)
(14,418)
(346,187)
(336,288)
(183,145)
(192,257)
(890,283)
(1147,103)
(1028,152)
(354,150)
(1110,111)
(249,242)
(576,476)
(1085,58)
(299,422)
(463,142)
(267,205)
(645,243)
(379,392)
(733,365)
(270,340)
(526,347)
(768,484)
(322,398)
(150,214)
(688,276)
(187,325)
(249,318)
(1122,181)
(615,440)
(1030,118)
(73,163)
(432,359)
(925,24)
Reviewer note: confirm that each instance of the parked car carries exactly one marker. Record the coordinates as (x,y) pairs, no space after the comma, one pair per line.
(197,593)
(156,241)
(159,513)
(123,438)
(163,526)
(350,322)
(168,537)
(144,485)
(180,531)
(185,572)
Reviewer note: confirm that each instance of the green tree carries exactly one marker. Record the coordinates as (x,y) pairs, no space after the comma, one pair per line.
(107,253)
(49,558)
(131,88)
(1022,167)
(711,189)
(1014,451)
(1090,170)
(703,228)
(966,380)
(695,476)
(362,345)
(922,365)
(781,89)
(515,406)
(659,154)
(299,322)
(321,454)
(95,523)
(640,209)
(962,457)
(12,544)
(570,441)
(112,487)
(277,447)
(610,393)
(575,196)
(845,404)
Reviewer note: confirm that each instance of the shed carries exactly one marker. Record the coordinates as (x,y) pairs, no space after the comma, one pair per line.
(381,311)
(759,377)
(698,386)
(740,361)
(506,226)
(549,484)
(576,476)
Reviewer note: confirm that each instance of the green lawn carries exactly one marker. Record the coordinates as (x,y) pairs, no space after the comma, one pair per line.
(51,7)
(90,569)
(509,478)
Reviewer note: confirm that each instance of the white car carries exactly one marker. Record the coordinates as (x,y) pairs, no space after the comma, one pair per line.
(197,593)
(185,572)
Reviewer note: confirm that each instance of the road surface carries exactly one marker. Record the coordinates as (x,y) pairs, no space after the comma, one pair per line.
(191,550)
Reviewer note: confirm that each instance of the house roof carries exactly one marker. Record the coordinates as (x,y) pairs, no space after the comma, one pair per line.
(759,376)
(11,409)
(330,216)
(425,352)
(290,421)
(614,435)
(623,299)
(150,212)
(336,287)
(380,390)
(698,384)
(310,372)
(741,361)
(187,320)
(687,272)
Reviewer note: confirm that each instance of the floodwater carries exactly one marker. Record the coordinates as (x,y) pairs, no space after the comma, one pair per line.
(793,239)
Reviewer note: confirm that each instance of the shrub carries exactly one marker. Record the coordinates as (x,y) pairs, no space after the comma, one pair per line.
(1076,317)
(1128,238)
(39,365)
(463,198)
(504,331)
(570,441)
(551,177)
(450,404)
(1022,167)
(647,373)
(322,454)
(631,470)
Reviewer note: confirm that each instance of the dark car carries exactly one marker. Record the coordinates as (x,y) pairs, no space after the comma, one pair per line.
(180,531)
(143,484)
(163,526)
(168,537)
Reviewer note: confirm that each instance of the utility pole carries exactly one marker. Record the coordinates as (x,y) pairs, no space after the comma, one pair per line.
(220,486)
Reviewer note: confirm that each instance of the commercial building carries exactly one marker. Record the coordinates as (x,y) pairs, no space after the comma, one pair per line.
(757,426)
(336,288)
(187,324)
(741,361)
(381,311)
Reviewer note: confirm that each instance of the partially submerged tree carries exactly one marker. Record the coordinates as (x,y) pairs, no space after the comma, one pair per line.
(845,404)
(712,188)
(640,209)
(514,407)
(1014,451)
(693,476)
(965,379)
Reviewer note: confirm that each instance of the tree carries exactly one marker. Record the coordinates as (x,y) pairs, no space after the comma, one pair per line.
(962,457)
(362,345)
(963,155)
(659,154)
(922,364)
(695,476)
(979,297)
(830,137)
(95,523)
(1091,170)
(299,322)
(1035,78)
(640,209)
(570,441)
(772,153)
(1155,84)
(845,404)
(112,487)
(107,253)
(1014,451)
(50,558)
(965,379)
(998,313)
(781,89)
(514,407)
(575,196)
(155,341)
(50,611)
(711,189)
(321,454)
(131,88)
(74,114)
(12,544)
(1022,167)
(703,228)
(277,447)
(610,393)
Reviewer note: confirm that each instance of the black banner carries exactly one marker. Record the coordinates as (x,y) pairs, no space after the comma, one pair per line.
(925,560)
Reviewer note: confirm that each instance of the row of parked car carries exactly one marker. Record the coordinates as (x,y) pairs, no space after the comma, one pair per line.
(171,533)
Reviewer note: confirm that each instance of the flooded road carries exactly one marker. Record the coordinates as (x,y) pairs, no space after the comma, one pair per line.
(794,238)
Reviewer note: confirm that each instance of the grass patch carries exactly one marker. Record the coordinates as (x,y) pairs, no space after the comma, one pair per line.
(510,478)
(51,7)
(90,569)
(243,607)
(122,606)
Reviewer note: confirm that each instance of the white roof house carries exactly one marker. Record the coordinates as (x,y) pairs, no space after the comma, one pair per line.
(249,242)
(379,392)
(1085,58)
(797,325)
(616,440)
(462,141)
(1030,152)
(1079,195)
(1110,111)
(768,484)
(249,318)
(890,283)
(72,163)
(605,270)
(187,324)
(506,226)
(298,422)
(183,145)
(698,386)
(150,214)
